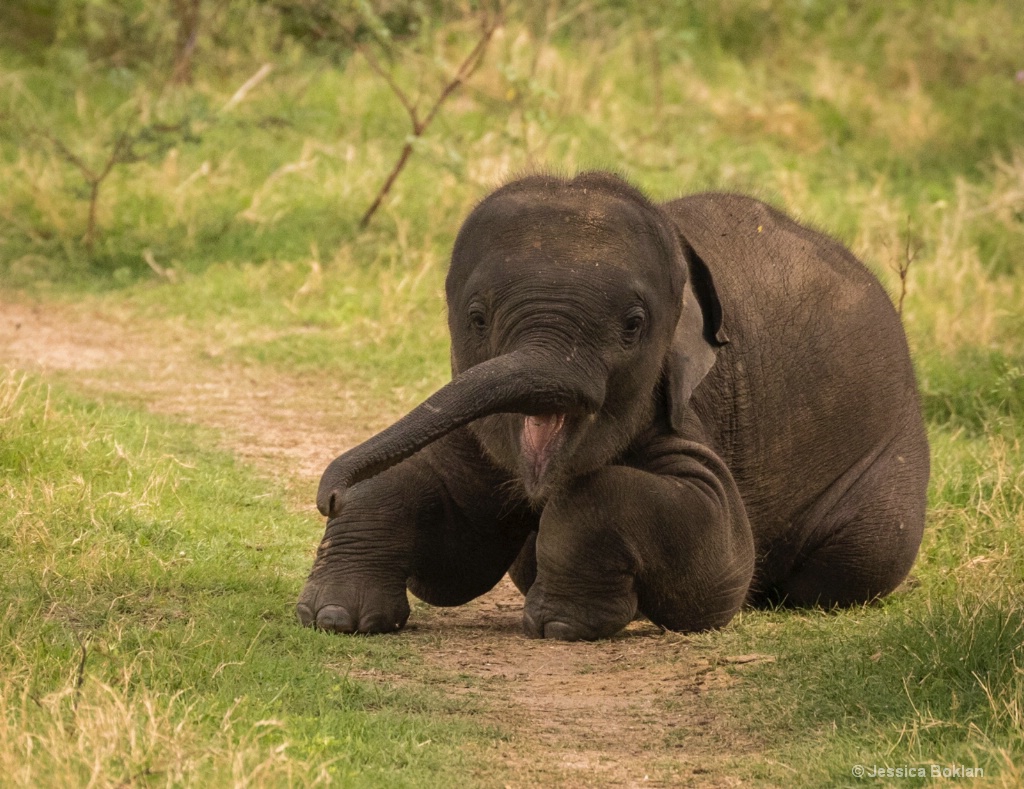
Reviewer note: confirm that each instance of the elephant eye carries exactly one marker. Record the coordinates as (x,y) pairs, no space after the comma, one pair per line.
(633,326)
(478,319)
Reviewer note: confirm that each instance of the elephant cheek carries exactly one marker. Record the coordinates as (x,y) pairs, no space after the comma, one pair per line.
(499,439)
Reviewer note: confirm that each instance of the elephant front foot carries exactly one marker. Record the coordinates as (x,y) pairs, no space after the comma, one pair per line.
(340,608)
(342,598)
(586,569)
(577,618)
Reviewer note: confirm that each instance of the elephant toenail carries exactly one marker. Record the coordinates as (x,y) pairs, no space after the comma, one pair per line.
(305,614)
(375,623)
(335,619)
(561,631)
(530,627)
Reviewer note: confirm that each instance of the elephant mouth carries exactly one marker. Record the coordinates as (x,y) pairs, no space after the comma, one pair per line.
(541,439)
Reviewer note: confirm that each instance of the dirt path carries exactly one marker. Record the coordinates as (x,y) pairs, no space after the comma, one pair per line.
(642,709)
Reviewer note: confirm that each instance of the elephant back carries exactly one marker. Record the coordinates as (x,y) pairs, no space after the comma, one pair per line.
(817,373)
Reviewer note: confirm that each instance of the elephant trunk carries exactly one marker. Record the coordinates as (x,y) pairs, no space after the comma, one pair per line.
(521,382)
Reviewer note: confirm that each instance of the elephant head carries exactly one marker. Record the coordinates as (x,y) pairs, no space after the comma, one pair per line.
(578,315)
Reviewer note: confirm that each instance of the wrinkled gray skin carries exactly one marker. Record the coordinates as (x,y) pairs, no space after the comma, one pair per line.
(668,410)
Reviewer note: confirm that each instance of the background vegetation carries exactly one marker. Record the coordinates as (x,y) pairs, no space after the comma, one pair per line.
(212,161)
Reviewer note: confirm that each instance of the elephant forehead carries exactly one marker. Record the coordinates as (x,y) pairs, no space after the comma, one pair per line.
(592,236)
(550,281)
(519,231)
(578,288)
(597,263)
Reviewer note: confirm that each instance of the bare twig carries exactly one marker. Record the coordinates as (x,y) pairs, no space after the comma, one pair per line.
(121,148)
(119,153)
(187,12)
(902,267)
(386,76)
(419,124)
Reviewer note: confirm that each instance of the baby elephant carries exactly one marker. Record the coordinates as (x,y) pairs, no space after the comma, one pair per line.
(669,410)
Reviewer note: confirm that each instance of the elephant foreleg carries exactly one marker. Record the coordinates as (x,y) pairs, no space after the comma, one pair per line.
(357,582)
(670,539)
(433,524)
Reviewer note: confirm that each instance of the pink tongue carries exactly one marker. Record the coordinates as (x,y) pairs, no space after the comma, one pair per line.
(539,430)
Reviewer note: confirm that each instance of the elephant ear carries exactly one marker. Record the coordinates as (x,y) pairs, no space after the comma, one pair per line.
(699,334)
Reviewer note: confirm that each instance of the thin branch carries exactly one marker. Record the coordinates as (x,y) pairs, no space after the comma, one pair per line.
(67,154)
(120,153)
(189,21)
(93,179)
(384,74)
(465,70)
(903,266)
(80,678)
(403,157)
(117,155)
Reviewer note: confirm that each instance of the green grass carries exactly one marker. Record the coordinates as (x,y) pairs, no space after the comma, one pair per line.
(933,674)
(147,631)
(895,126)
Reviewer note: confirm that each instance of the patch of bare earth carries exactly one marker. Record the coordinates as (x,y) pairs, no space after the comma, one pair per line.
(642,709)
